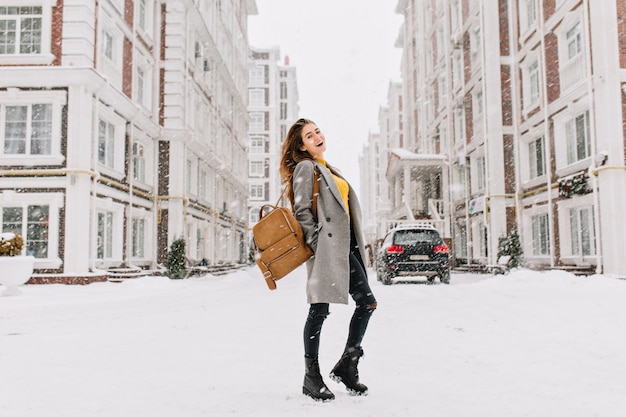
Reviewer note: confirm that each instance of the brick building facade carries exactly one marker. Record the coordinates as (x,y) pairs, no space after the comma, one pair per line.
(123,126)
(514,121)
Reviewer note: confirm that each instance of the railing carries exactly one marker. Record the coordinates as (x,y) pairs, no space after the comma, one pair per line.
(572,72)
(435,208)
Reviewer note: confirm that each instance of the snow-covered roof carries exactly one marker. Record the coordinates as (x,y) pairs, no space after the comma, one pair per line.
(405,154)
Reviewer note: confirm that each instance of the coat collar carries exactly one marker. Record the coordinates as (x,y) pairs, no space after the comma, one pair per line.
(325,171)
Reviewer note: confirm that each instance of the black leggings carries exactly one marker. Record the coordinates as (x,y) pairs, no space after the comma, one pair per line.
(365,306)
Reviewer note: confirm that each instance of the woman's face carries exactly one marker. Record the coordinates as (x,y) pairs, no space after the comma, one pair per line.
(313,141)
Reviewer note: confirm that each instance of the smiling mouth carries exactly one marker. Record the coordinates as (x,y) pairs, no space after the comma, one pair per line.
(319,144)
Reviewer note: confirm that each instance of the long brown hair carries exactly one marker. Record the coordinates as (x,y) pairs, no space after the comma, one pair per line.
(291,154)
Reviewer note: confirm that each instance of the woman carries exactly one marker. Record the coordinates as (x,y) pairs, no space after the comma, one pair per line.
(337,269)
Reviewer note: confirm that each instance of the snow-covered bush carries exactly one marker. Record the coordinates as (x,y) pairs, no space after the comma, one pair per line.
(510,245)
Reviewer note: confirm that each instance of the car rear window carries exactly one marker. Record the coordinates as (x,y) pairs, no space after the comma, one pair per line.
(411,237)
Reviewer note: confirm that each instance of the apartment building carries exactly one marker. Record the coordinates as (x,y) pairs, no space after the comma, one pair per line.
(273,107)
(373,163)
(514,121)
(123,126)
(204,140)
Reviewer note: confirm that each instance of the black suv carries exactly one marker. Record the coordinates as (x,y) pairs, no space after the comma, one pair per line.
(413,250)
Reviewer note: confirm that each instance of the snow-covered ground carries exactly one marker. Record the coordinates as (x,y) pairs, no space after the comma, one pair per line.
(525,344)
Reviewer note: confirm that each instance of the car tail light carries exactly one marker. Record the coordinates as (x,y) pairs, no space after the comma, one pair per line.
(395,249)
(441,249)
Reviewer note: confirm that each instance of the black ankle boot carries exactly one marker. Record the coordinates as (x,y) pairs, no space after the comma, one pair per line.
(313,385)
(346,371)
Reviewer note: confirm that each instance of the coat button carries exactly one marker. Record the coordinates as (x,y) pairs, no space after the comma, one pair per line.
(327,219)
(330,235)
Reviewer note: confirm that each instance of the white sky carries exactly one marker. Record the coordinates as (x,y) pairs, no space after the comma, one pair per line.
(345,58)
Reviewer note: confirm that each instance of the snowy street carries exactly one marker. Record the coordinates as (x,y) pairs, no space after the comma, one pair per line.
(525,344)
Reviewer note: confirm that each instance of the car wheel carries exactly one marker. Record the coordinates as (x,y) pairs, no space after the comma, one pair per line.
(444,277)
(387,279)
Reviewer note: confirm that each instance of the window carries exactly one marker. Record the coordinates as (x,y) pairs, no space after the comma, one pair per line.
(533,80)
(30,127)
(283,111)
(32,223)
(458,187)
(107,45)
(578,138)
(202,184)
(256,168)
(140,85)
(483,240)
(199,244)
(257,145)
(481,177)
(257,75)
(574,41)
(457,69)
(582,231)
(439,40)
(476,41)
(460,241)
(478,106)
(537,158)
(139,162)
(256,191)
(141,15)
(429,105)
(138,238)
(110,51)
(257,121)
(106,143)
(455,16)
(541,235)
(283,90)
(531,12)
(27,129)
(37,231)
(35,216)
(188,176)
(104,246)
(444,141)
(257,97)
(528,14)
(253,215)
(459,126)
(443,90)
(12,220)
(21,30)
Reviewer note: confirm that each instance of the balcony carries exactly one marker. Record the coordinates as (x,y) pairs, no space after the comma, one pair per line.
(572,72)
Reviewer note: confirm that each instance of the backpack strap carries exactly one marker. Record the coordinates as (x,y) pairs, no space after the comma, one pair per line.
(316,191)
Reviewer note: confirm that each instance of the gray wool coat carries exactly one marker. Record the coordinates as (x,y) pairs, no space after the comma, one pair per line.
(328,271)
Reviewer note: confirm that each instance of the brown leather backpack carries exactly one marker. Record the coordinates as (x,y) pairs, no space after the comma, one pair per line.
(279,241)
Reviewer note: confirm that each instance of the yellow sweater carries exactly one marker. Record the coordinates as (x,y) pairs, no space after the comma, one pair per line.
(344,187)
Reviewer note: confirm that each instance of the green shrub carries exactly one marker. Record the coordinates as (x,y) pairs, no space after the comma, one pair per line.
(176,260)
